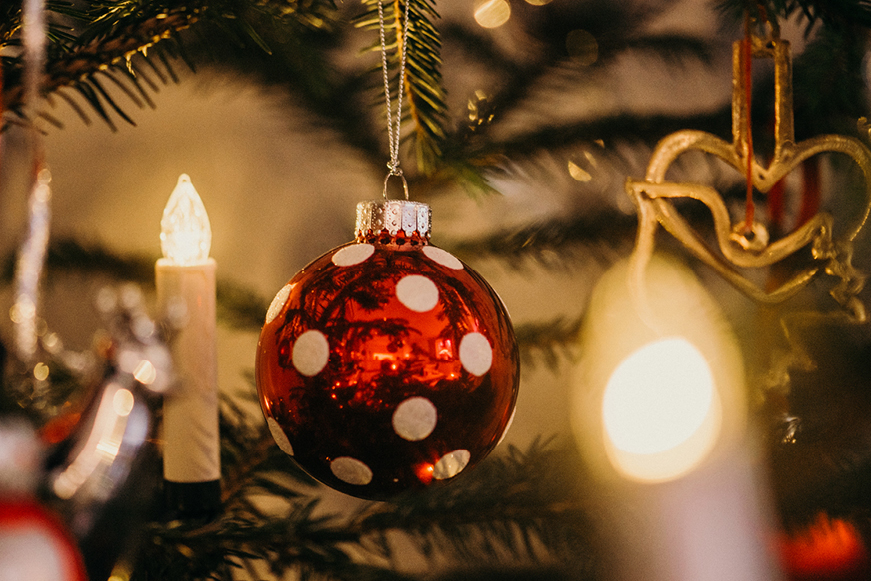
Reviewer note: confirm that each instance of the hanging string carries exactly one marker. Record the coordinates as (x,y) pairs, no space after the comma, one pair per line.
(31,255)
(750,208)
(33,39)
(393,128)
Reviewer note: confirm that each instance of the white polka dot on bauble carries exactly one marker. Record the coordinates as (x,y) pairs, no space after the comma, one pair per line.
(443,257)
(451,464)
(279,436)
(476,355)
(278,303)
(311,351)
(417,292)
(351,470)
(415,418)
(353,254)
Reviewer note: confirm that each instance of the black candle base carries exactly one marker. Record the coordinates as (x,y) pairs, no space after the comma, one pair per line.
(192,500)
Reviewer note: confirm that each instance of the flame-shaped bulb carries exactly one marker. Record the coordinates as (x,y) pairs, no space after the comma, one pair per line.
(185,233)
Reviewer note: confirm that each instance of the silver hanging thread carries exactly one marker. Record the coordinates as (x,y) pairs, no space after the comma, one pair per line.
(31,256)
(393,129)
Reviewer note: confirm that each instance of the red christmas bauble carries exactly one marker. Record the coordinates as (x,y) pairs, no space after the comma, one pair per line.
(827,550)
(34,545)
(387,364)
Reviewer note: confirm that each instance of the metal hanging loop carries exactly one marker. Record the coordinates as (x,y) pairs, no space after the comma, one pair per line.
(393,129)
(404,183)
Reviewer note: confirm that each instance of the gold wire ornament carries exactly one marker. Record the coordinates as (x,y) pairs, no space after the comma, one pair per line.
(747,246)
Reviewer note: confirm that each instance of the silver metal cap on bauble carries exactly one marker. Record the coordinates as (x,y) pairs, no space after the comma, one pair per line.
(393,216)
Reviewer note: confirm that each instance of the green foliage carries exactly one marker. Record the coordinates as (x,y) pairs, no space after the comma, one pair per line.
(521,507)
(130,44)
(832,13)
(528,506)
(520,510)
(426,95)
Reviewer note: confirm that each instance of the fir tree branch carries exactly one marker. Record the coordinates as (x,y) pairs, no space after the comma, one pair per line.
(77,65)
(237,306)
(118,33)
(423,86)
(835,14)
(549,243)
(537,508)
(506,506)
(471,150)
(552,341)
(612,129)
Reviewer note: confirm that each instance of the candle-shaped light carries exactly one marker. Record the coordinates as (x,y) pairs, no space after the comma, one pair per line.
(661,411)
(185,279)
(185,232)
(660,415)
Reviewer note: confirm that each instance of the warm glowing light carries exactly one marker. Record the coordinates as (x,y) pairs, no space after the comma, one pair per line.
(40,371)
(659,390)
(122,402)
(579,173)
(185,232)
(22,310)
(538,2)
(145,373)
(661,411)
(102,445)
(52,342)
(492,13)
(120,573)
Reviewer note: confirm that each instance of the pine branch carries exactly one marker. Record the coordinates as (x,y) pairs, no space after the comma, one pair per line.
(10,20)
(617,29)
(423,87)
(284,536)
(553,341)
(66,254)
(834,14)
(471,150)
(537,505)
(507,508)
(121,33)
(832,64)
(819,462)
(291,541)
(77,66)
(612,130)
(549,243)
(238,307)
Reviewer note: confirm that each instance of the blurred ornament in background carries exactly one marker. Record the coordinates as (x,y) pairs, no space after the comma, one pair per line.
(746,246)
(34,543)
(103,477)
(387,364)
(829,549)
(29,267)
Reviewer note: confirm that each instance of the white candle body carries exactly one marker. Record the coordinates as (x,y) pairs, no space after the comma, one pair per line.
(712,525)
(190,414)
(680,506)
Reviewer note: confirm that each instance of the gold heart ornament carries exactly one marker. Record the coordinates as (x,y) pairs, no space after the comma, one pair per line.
(743,246)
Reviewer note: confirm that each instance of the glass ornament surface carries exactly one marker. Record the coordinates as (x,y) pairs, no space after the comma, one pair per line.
(387,365)
(35,544)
